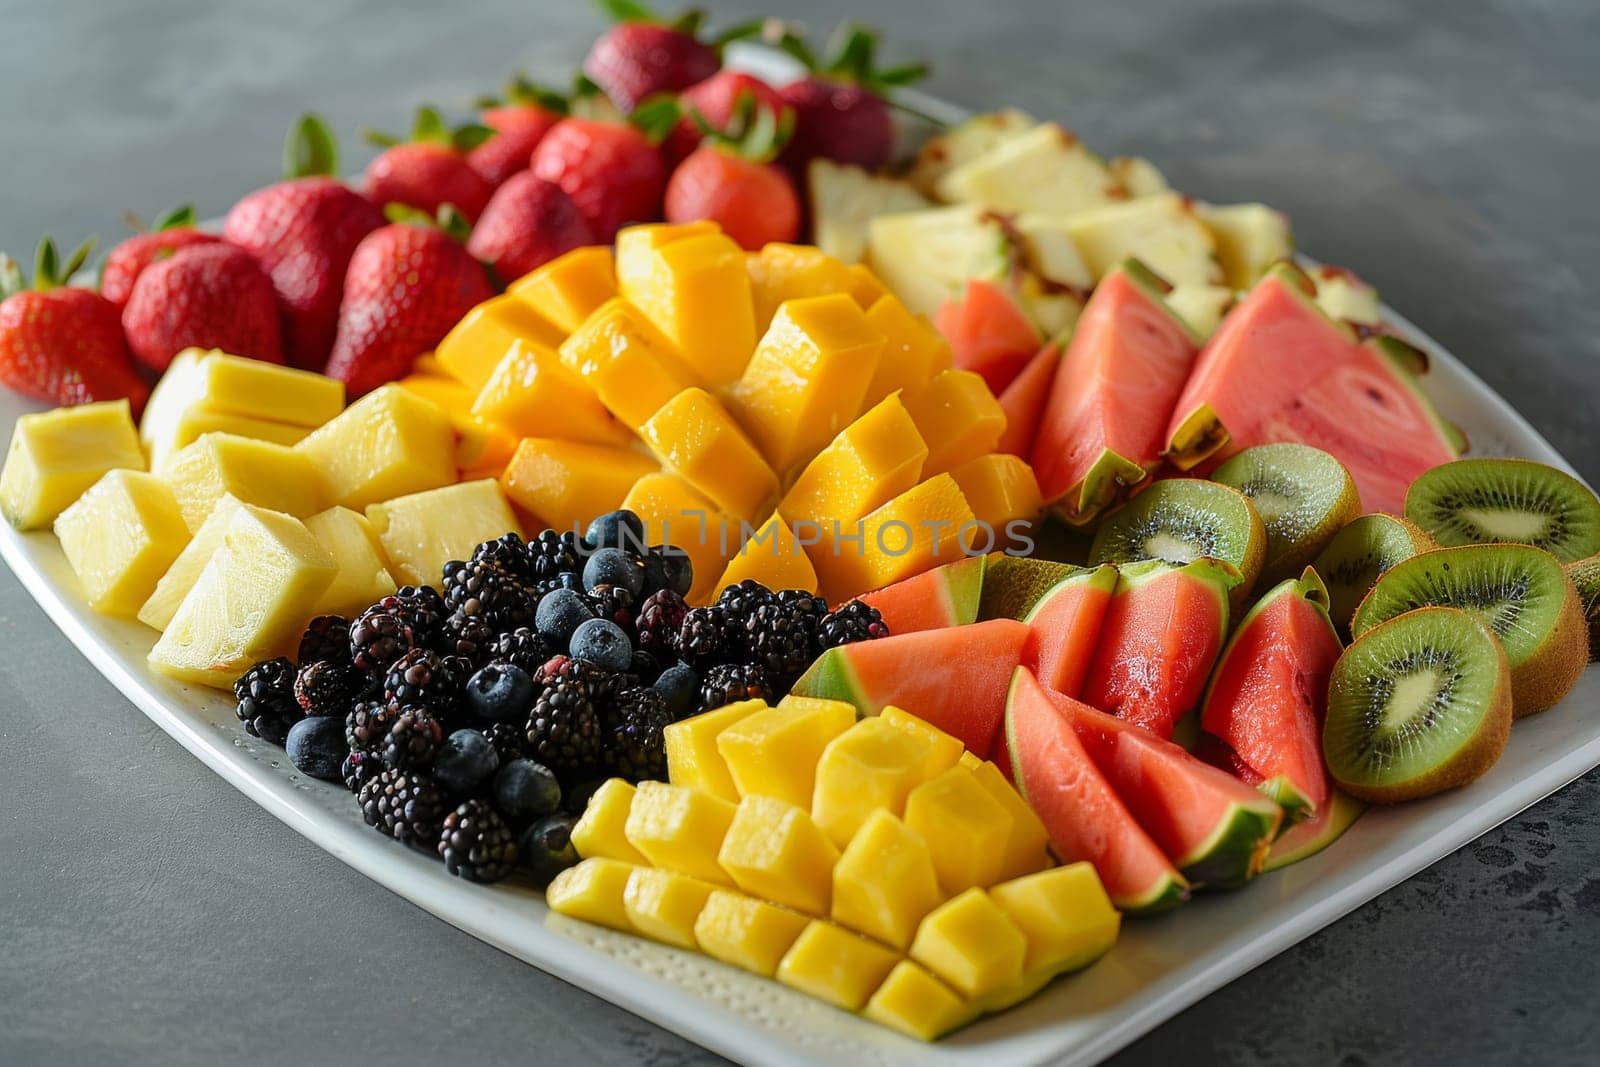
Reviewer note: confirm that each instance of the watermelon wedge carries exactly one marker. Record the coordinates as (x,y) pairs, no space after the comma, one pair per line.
(1158,641)
(1084,816)
(1104,424)
(988,333)
(955,678)
(1307,838)
(1270,692)
(1065,629)
(1024,399)
(933,600)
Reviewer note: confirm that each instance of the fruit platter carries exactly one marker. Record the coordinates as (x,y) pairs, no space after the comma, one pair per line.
(837,575)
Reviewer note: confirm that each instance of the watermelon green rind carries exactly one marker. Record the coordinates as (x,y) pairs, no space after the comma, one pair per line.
(1306,839)
(1156,288)
(943,597)
(1297,807)
(1236,851)
(831,677)
(1111,477)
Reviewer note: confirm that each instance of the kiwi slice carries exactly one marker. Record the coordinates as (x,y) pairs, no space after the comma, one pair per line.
(1303,496)
(1179,520)
(1419,704)
(1521,592)
(1361,551)
(1585,575)
(1506,501)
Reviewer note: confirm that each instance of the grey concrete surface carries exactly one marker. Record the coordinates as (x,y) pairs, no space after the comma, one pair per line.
(151,914)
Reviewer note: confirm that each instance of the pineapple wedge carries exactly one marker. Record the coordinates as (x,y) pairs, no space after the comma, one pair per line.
(1249,239)
(845,198)
(364,576)
(1162,231)
(1138,175)
(389,443)
(257,472)
(1201,306)
(1341,295)
(422,532)
(942,154)
(1045,169)
(56,455)
(120,537)
(926,257)
(175,584)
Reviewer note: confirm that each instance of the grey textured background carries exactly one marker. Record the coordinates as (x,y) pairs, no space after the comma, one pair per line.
(150,914)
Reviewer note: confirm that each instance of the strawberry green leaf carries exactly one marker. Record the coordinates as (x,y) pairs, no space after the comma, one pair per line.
(406,215)
(656,116)
(429,127)
(44,266)
(453,222)
(310,150)
(626,11)
(583,87)
(854,56)
(470,136)
(379,138)
(522,90)
(180,216)
(75,262)
(688,23)
(895,77)
(794,43)
(741,31)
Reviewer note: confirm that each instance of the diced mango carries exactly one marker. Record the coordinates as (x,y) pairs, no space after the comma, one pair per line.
(664,905)
(692,757)
(422,532)
(565,484)
(482,450)
(364,577)
(774,851)
(834,965)
(917,1004)
(635,245)
(120,537)
(871,766)
(1026,845)
(566,290)
(874,459)
(884,883)
(593,891)
(1065,915)
(781,272)
(162,604)
(698,295)
(529,393)
(965,827)
(387,444)
(746,932)
(863,285)
(694,436)
(944,751)
(958,417)
(56,455)
(675,513)
(971,943)
(255,472)
(680,829)
(917,530)
(602,829)
(628,363)
(999,488)
(914,351)
(774,557)
(476,345)
(773,752)
(446,390)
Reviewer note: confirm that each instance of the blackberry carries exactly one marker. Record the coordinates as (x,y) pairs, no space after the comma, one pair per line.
(657,623)
(602,684)
(405,805)
(551,554)
(267,705)
(485,588)
(470,637)
(510,739)
(359,768)
(702,636)
(634,746)
(730,683)
(524,647)
(476,844)
(781,643)
(807,609)
(422,676)
(413,740)
(852,622)
(326,687)
(326,637)
(563,730)
(616,604)
(740,600)
(510,552)
(407,619)
(368,724)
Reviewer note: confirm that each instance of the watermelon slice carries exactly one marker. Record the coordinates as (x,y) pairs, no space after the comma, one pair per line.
(1215,829)
(1104,424)
(954,678)
(1159,639)
(1024,399)
(1065,629)
(933,600)
(1084,816)
(1278,369)
(988,333)
(1270,692)
(1307,838)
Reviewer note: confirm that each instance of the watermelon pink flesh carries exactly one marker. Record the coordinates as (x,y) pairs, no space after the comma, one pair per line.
(988,333)
(1115,387)
(1084,816)
(932,600)
(1024,399)
(1065,629)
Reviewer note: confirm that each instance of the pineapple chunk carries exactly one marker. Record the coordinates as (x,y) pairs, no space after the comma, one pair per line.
(971,943)
(255,472)
(1138,175)
(389,443)
(966,142)
(471,350)
(364,577)
(564,484)
(56,455)
(1341,295)
(593,891)
(774,851)
(884,883)
(1045,169)
(422,532)
(845,198)
(180,577)
(926,257)
(1051,253)
(120,537)
(1162,231)
(602,830)
(746,932)
(1249,239)
(834,965)
(198,421)
(1201,306)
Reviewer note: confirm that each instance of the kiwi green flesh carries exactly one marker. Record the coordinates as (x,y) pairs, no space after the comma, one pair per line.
(1357,556)
(1585,575)
(1302,494)
(1179,521)
(1489,501)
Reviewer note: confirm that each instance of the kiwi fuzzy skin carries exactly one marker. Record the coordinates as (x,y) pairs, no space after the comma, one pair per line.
(1585,574)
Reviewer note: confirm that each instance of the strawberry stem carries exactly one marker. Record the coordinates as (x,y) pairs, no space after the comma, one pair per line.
(626,11)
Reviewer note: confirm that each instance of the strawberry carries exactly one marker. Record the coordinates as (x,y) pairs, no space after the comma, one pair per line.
(716,99)
(302,232)
(59,344)
(612,170)
(643,55)
(528,222)
(731,180)
(171,232)
(430,170)
(840,108)
(519,123)
(407,285)
(203,296)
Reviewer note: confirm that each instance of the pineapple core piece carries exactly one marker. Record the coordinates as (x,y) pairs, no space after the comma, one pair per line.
(56,455)
(422,532)
(389,443)
(120,537)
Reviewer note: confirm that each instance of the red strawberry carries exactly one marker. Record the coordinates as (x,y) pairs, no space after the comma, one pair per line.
(840,110)
(171,232)
(62,345)
(302,232)
(519,124)
(431,169)
(204,296)
(716,100)
(731,180)
(611,170)
(408,284)
(528,222)
(643,55)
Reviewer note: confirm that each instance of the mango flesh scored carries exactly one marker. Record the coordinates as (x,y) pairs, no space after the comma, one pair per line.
(958,417)
(593,891)
(884,883)
(694,436)
(422,532)
(680,829)
(482,450)
(698,295)
(476,344)
(971,943)
(919,529)
(1028,841)
(1065,915)
(865,287)
(871,766)
(175,583)
(774,557)
(663,906)
(691,744)
(999,488)
(566,290)
(120,537)
(249,603)
(913,352)
(256,472)
(944,751)
(773,752)
(529,393)
(834,965)
(807,377)
(917,1004)
(748,933)
(55,456)
(631,366)
(389,443)
(446,390)
(564,484)
(965,827)
(364,577)
(782,272)
(874,459)
(636,244)
(675,513)
(602,829)
(774,851)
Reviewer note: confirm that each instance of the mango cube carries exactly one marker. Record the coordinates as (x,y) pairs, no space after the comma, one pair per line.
(255,472)
(917,1004)
(162,604)
(566,290)
(628,363)
(913,352)
(773,752)
(364,577)
(691,744)
(680,829)
(884,882)
(675,513)
(865,287)
(476,345)
(120,537)
(965,827)
(971,943)
(387,444)
(774,851)
(663,905)
(958,417)
(530,394)
(602,829)
(483,450)
(694,436)
(564,484)
(782,272)
(871,766)
(834,965)
(748,933)
(698,295)
(773,556)
(999,488)
(917,530)
(877,457)
(446,390)
(943,750)
(1027,844)
(56,455)
(422,532)
(636,244)
(1065,915)
(593,891)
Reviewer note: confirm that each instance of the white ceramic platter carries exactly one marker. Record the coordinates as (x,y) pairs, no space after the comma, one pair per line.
(1160,966)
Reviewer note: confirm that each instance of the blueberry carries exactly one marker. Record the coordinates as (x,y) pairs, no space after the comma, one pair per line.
(547,846)
(613,566)
(465,761)
(560,613)
(602,642)
(500,692)
(316,746)
(617,529)
(681,686)
(678,569)
(525,790)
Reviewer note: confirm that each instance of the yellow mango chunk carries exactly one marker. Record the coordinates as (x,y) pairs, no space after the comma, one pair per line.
(663,905)
(917,1004)
(529,393)
(913,352)
(884,882)
(593,891)
(832,964)
(446,390)
(628,363)
(636,244)
(422,532)
(675,513)
(691,745)
(748,933)
(943,750)
(971,943)
(773,556)
(917,530)
(698,295)
(120,537)
(871,766)
(774,851)
(1065,915)
(1026,845)
(958,417)
(781,272)
(566,290)
(864,286)
(774,751)
(694,436)
(874,459)
(680,829)
(564,484)
(965,827)
(255,472)
(806,380)
(475,346)
(999,488)
(162,604)
(364,577)
(602,829)
(482,450)
(387,444)
(55,456)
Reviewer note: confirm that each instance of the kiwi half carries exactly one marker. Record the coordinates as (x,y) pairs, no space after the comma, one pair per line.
(1521,592)
(1585,575)
(1358,554)
(1303,496)
(1179,520)
(1418,704)
(1506,501)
